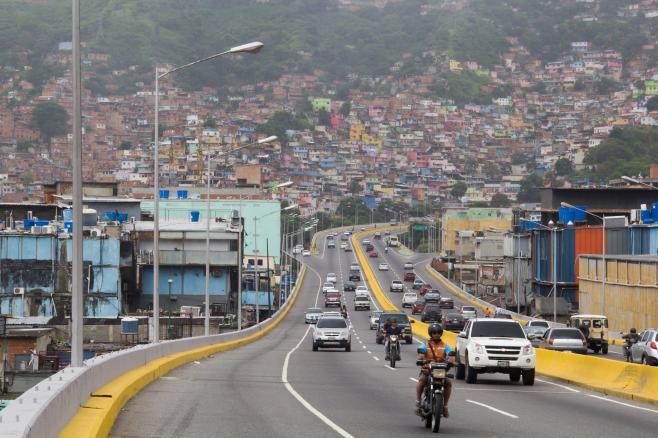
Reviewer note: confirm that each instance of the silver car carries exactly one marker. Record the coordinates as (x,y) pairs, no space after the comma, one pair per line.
(469,312)
(312,314)
(645,350)
(534,334)
(374,319)
(564,339)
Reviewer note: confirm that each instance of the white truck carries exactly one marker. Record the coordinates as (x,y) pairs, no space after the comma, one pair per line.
(492,345)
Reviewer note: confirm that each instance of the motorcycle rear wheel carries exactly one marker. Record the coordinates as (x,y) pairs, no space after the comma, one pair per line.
(437,412)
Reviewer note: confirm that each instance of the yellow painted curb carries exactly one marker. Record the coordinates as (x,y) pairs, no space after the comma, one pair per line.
(97,415)
(418,328)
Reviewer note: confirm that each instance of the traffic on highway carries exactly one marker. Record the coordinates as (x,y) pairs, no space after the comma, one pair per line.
(323,372)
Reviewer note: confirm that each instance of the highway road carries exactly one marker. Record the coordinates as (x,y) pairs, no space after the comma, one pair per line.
(279,387)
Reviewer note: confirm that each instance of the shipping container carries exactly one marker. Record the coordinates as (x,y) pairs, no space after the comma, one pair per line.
(565,254)
(589,240)
(653,240)
(639,238)
(616,241)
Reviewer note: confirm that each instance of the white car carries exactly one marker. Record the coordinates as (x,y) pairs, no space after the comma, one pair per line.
(343,245)
(328,285)
(306,253)
(495,345)
(333,332)
(297,249)
(366,241)
(383,266)
(361,290)
(408,266)
(355,267)
(331,278)
(409,298)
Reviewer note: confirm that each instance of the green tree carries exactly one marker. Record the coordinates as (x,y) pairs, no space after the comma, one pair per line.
(606,86)
(627,151)
(324,118)
(652,104)
(499,200)
(209,122)
(50,119)
(492,170)
(529,189)
(346,108)
(125,146)
(563,167)
(279,123)
(23,146)
(458,189)
(96,85)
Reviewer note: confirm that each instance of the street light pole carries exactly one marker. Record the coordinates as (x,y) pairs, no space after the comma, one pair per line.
(207,286)
(77,297)
(253,47)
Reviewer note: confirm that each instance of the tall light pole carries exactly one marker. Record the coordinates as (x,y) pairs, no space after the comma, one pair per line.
(207,288)
(256,273)
(603,250)
(553,230)
(253,47)
(77,297)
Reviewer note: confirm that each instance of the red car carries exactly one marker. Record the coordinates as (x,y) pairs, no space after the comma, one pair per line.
(418,307)
(424,288)
(409,276)
(332,299)
(373,254)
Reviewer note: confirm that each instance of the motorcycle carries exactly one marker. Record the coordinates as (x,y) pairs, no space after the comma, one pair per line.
(627,351)
(386,250)
(431,404)
(393,350)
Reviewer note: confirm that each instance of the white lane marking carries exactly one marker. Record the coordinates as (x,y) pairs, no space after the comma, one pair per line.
(520,391)
(491,408)
(375,357)
(623,404)
(415,380)
(392,369)
(369,352)
(361,342)
(557,384)
(307,405)
(364,347)
(291,390)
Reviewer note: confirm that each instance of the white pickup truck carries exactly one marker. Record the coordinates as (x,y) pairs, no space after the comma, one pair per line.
(492,345)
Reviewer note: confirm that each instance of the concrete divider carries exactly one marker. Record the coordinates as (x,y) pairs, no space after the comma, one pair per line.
(418,328)
(621,379)
(84,401)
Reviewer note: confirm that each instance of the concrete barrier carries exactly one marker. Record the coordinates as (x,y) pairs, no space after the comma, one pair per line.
(84,401)
(418,328)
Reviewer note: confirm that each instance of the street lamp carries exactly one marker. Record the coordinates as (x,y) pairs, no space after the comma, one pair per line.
(169,311)
(253,47)
(206,322)
(603,250)
(635,181)
(553,231)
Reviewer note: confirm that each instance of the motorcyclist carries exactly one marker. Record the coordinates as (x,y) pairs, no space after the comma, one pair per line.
(386,250)
(630,338)
(343,310)
(392,329)
(434,350)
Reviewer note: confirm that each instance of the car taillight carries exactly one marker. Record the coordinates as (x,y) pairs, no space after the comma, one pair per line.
(584,343)
(653,345)
(462,321)
(550,341)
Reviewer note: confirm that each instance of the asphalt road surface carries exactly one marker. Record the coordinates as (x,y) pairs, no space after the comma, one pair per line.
(279,387)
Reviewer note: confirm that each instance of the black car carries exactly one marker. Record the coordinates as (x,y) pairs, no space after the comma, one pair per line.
(447,303)
(369,247)
(355,276)
(454,321)
(403,322)
(431,313)
(349,286)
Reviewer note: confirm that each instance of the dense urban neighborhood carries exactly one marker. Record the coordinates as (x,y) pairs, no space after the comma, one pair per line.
(493,188)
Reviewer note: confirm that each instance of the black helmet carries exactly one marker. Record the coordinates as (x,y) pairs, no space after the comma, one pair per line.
(633,330)
(435,328)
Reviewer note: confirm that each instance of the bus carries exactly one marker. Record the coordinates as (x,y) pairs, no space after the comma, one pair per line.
(393,241)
